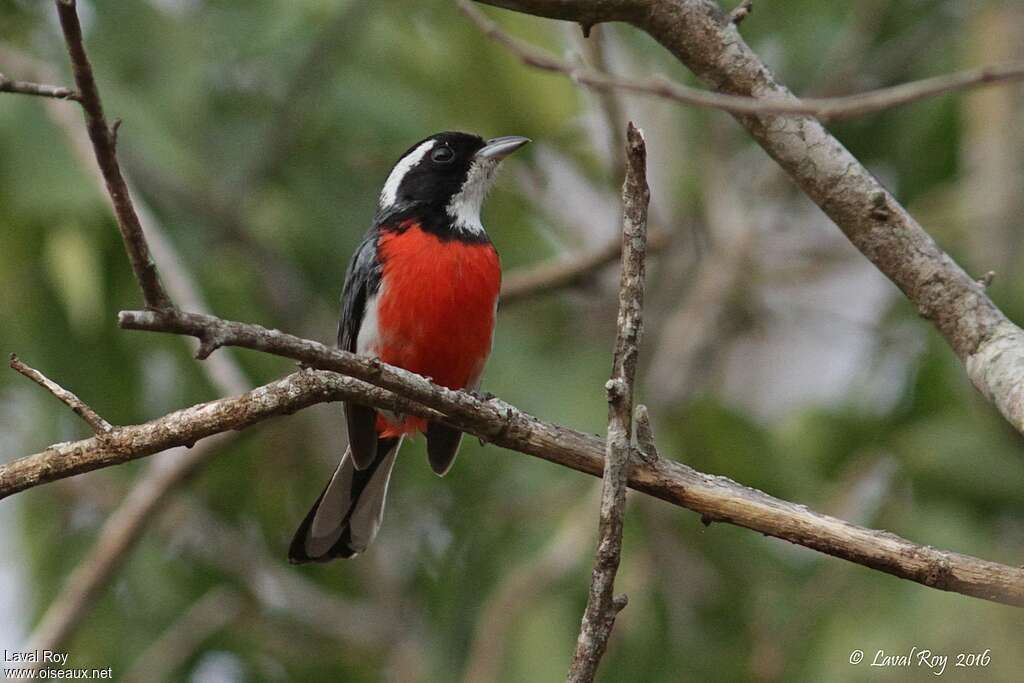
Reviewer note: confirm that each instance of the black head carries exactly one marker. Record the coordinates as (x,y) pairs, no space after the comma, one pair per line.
(447,174)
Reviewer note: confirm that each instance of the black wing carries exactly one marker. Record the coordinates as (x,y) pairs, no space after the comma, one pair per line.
(361,282)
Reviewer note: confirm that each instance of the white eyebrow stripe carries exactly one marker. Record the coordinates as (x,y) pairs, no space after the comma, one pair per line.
(389,195)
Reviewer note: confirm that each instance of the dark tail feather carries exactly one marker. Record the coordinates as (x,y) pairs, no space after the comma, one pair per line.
(348,513)
(442,447)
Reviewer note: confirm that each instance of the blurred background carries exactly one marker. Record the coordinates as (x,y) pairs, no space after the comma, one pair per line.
(257,136)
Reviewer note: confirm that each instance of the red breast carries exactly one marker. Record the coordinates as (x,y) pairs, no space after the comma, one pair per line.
(435,309)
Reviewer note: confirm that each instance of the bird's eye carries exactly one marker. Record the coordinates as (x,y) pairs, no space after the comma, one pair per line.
(442,155)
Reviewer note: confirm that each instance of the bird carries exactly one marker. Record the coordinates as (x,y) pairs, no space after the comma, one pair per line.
(421,293)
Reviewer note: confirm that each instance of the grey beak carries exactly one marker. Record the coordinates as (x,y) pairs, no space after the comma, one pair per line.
(499,148)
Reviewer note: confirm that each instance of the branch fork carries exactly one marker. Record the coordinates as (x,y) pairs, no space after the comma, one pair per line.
(98,425)
(822,108)
(104,142)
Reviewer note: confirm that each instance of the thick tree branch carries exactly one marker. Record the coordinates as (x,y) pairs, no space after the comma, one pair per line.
(104,145)
(495,421)
(701,37)
(80,408)
(37,89)
(185,427)
(602,604)
(823,108)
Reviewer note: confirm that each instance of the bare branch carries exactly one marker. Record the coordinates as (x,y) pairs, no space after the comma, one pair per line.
(696,32)
(500,423)
(551,276)
(97,423)
(102,137)
(990,346)
(823,108)
(602,604)
(37,89)
(154,486)
(224,373)
(185,427)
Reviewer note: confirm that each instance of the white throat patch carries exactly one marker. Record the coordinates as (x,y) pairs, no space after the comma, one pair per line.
(389,195)
(464,207)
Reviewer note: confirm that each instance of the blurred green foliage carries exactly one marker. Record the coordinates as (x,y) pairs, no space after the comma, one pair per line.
(207,92)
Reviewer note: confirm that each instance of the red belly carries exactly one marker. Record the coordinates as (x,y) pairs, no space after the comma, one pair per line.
(435,313)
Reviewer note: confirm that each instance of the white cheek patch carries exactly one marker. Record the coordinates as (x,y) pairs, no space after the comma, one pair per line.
(464,207)
(389,195)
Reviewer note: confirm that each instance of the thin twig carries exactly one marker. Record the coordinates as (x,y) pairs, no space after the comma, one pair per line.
(225,375)
(602,604)
(741,12)
(825,108)
(222,213)
(551,276)
(153,487)
(37,89)
(91,417)
(102,138)
(500,423)
(989,345)
(645,444)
